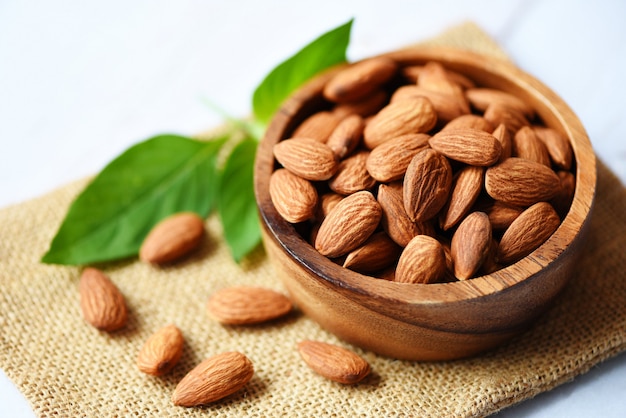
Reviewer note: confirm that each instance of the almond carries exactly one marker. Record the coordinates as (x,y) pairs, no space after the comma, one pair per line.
(447,107)
(364,107)
(359,79)
(352,175)
(294,198)
(318,126)
(466,188)
(470,245)
(307,158)
(411,73)
(511,117)
(328,201)
(395,221)
(557,145)
(161,351)
(481,98)
(389,161)
(333,362)
(434,77)
(404,117)
(531,229)
(377,253)
(504,137)
(213,379)
(502,215)
(172,238)
(101,302)
(469,121)
(348,225)
(422,261)
(426,185)
(346,136)
(246,305)
(527,145)
(521,182)
(563,198)
(467,145)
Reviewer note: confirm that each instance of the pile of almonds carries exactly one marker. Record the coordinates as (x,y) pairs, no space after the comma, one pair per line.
(104,307)
(417,174)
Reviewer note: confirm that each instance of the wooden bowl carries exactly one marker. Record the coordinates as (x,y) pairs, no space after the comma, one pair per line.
(430,321)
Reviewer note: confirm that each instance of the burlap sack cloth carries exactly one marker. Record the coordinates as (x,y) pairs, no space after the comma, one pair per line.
(66,368)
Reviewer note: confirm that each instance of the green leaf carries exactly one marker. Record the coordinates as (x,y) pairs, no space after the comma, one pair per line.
(149,181)
(236,203)
(324,52)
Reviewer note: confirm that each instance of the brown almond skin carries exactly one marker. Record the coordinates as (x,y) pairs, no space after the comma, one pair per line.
(395,221)
(318,126)
(426,185)
(513,118)
(527,145)
(213,379)
(333,362)
(247,305)
(294,198)
(470,245)
(101,302)
(447,107)
(469,121)
(502,215)
(172,238)
(348,225)
(531,229)
(466,188)
(467,145)
(558,146)
(359,79)
(563,198)
(521,182)
(364,107)
(352,175)
(504,137)
(307,158)
(404,117)
(389,161)
(423,260)
(161,351)
(346,136)
(481,98)
(377,253)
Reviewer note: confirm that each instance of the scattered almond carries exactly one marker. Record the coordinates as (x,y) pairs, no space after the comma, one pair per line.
(161,351)
(101,302)
(333,362)
(213,379)
(246,305)
(172,238)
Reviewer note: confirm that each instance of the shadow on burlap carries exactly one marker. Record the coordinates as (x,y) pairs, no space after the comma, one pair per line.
(66,368)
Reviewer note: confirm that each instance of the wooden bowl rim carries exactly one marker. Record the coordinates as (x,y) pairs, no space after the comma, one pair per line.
(552,110)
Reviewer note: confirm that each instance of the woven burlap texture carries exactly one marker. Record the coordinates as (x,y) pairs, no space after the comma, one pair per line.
(66,368)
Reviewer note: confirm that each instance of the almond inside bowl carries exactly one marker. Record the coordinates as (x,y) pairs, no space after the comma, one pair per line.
(435,321)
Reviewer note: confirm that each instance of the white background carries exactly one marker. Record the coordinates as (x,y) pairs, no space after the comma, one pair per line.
(81,81)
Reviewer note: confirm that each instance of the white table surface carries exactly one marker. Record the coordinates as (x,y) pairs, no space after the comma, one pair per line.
(82,81)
